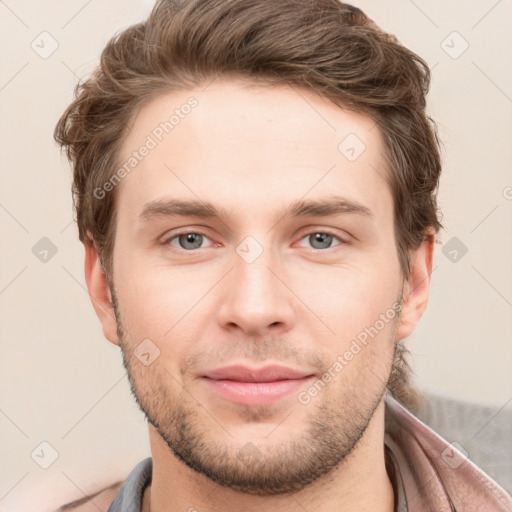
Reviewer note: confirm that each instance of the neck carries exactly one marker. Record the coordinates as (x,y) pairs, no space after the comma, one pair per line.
(360,482)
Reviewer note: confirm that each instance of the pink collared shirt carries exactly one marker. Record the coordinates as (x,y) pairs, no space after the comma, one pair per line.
(431,474)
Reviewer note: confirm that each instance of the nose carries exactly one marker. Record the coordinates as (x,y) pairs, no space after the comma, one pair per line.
(256,298)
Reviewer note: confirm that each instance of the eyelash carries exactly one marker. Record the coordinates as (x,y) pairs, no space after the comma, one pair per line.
(324,232)
(199,232)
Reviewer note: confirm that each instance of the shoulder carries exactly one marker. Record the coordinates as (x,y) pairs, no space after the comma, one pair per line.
(98,501)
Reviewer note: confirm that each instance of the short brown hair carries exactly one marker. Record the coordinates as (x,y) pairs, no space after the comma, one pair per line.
(326,46)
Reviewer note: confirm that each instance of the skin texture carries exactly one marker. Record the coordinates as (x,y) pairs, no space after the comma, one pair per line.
(253,151)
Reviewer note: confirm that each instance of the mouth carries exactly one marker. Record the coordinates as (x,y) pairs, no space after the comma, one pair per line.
(263,386)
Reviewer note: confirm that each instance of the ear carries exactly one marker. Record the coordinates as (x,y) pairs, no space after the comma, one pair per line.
(417,288)
(99,293)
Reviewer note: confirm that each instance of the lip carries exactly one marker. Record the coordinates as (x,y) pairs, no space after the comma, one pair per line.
(246,386)
(269,373)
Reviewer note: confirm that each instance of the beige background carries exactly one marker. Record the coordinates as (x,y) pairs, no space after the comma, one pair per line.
(63,383)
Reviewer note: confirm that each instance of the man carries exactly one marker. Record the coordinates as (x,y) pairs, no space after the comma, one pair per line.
(255,185)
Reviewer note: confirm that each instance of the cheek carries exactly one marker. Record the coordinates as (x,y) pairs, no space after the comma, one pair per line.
(361,306)
(161,303)
(352,296)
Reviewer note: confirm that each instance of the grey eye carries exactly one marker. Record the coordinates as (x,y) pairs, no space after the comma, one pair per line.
(320,240)
(190,241)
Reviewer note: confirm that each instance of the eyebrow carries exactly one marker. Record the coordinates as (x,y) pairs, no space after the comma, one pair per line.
(331,205)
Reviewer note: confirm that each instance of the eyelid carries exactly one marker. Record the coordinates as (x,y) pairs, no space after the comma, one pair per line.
(326,231)
(166,239)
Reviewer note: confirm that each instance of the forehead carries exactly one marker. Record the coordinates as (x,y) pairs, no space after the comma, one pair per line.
(241,144)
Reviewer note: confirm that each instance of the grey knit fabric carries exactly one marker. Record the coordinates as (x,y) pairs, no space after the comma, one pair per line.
(484,432)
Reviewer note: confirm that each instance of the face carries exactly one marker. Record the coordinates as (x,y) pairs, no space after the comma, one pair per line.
(257,231)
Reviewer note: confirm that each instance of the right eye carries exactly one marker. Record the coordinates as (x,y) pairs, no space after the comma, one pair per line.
(187,240)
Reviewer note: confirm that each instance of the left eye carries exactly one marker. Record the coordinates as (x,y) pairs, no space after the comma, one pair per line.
(321,239)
